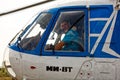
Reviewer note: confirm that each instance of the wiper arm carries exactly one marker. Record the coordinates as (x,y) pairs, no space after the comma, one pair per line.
(15,37)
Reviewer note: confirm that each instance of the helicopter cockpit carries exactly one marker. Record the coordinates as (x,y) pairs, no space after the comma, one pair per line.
(30,36)
(45,33)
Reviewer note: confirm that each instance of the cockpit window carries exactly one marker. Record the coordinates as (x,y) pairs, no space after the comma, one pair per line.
(33,35)
(68,33)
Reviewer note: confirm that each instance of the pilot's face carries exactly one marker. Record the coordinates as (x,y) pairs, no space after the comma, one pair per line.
(64,26)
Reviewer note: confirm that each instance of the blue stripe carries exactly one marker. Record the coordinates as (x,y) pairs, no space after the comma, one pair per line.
(97,26)
(98,52)
(101,11)
(115,41)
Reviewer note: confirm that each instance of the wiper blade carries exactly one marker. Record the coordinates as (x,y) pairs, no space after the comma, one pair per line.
(14,37)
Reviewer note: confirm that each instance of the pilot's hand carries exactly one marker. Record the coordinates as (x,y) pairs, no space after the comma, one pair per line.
(59,46)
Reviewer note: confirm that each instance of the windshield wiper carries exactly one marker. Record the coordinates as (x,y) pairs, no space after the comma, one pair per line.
(14,37)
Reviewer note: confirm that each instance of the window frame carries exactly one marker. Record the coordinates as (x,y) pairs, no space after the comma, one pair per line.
(71,53)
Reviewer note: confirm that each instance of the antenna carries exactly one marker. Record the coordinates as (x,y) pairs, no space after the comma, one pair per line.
(118,1)
(22,8)
(117,5)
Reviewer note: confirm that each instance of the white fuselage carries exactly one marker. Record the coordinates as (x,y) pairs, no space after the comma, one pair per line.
(63,68)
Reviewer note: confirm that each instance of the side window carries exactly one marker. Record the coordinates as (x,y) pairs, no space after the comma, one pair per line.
(68,32)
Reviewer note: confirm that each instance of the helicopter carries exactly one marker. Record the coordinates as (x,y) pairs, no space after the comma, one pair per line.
(32,53)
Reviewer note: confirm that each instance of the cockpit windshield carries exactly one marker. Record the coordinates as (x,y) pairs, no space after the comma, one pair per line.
(32,34)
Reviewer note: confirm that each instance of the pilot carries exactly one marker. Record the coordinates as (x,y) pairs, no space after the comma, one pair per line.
(71,40)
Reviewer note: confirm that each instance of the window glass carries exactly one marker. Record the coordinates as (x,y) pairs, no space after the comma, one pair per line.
(30,39)
(68,32)
(21,31)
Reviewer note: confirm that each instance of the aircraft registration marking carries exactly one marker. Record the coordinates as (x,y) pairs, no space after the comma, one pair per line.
(58,69)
